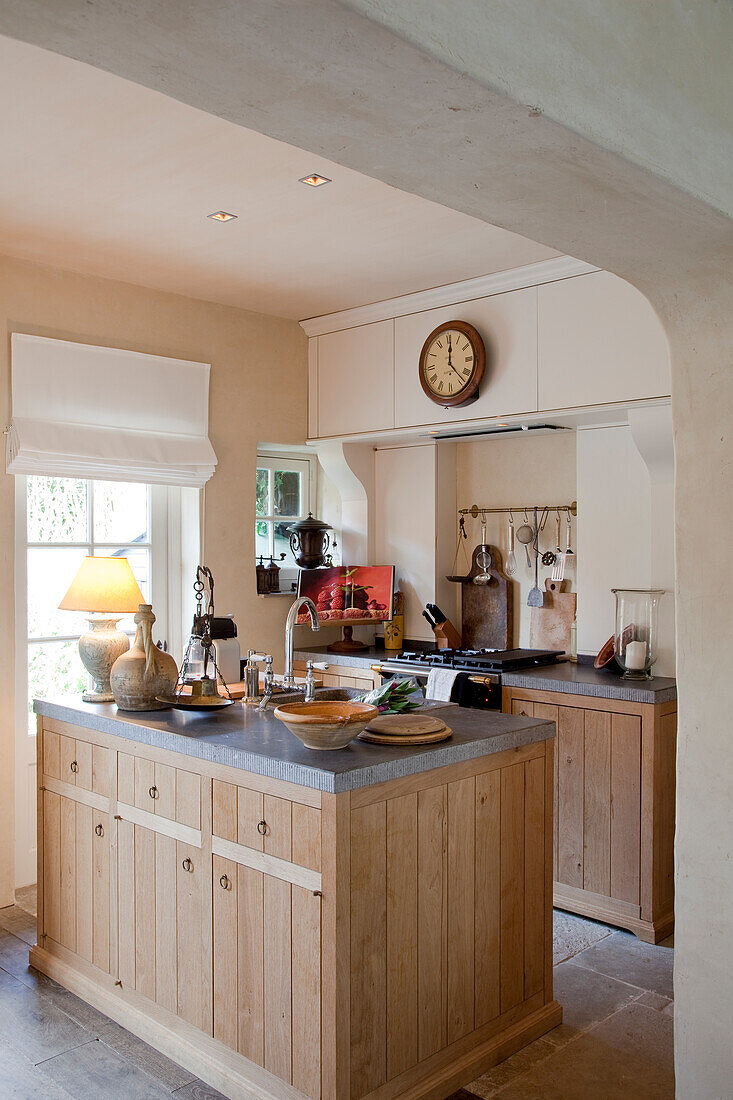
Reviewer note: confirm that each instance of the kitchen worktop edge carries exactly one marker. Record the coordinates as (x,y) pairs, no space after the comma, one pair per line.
(259,743)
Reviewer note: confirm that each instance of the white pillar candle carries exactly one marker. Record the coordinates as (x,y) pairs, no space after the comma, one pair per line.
(635,656)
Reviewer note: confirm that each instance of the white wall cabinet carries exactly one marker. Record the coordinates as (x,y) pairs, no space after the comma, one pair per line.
(600,342)
(508,325)
(587,340)
(356,380)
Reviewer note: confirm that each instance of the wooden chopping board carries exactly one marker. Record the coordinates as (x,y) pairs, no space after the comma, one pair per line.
(406,738)
(487,619)
(549,625)
(405,724)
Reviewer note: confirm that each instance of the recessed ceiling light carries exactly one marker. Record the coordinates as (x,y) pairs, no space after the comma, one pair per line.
(222,216)
(314,180)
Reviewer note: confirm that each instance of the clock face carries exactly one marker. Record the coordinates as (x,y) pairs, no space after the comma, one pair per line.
(452,364)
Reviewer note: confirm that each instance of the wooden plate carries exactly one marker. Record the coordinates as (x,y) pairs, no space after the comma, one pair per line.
(405,724)
(406,738)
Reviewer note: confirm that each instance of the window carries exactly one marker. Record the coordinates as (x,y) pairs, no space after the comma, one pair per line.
(67,519)
(283,495)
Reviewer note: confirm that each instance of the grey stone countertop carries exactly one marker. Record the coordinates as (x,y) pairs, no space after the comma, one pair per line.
(581,679)
(241,736)
(566,677)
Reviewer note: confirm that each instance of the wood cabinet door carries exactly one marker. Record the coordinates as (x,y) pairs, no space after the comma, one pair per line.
(266,823)
(267,972)
(168,792)
(161,891)
(356,379)
(76,874)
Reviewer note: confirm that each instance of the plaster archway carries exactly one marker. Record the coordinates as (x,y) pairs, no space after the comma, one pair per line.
(398,103)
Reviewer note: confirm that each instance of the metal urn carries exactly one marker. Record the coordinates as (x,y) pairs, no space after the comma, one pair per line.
(309,542)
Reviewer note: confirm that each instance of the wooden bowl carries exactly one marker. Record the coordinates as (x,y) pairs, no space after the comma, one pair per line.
(327,725)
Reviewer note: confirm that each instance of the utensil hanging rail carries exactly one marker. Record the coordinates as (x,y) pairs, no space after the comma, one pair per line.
(475,511)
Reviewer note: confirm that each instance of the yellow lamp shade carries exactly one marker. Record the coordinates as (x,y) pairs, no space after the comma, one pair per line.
(105,585)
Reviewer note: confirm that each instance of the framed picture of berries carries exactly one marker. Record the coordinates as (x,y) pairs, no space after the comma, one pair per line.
(353,594)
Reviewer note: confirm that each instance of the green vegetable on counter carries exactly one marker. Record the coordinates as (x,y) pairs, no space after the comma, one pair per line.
(394,697)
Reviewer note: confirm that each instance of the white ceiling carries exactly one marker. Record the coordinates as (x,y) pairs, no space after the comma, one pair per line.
(104,177)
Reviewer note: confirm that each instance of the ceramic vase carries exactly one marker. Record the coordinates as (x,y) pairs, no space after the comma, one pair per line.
(145,671)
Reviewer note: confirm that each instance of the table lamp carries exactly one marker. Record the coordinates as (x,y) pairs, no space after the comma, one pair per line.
(107,587)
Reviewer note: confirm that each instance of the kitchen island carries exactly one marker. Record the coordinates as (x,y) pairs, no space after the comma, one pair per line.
(372,922)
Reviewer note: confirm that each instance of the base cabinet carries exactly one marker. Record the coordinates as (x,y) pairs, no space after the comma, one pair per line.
(284,943)
(614,805)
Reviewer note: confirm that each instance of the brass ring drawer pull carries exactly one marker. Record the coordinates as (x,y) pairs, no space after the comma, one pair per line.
(99,830)
(187,864)
(153,792)
(224,882)
(74,766)
(262,828)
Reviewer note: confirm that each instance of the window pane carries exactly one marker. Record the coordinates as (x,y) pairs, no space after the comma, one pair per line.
(262,539)
(54,668)
(140,564)
(262,492)
(282,545)
(57,509)
(50,572)
(120,512)
(286,492)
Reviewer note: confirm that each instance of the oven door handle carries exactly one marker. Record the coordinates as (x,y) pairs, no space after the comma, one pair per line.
(402,670)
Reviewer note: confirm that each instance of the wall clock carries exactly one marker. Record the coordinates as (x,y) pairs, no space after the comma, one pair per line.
(452,364)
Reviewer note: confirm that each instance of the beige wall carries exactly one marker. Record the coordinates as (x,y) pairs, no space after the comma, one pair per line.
(498,473)
(258,390)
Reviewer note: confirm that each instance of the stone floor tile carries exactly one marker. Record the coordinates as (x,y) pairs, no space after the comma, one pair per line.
(572,934)
(13,954)
(20,1079)
(627,959)
(21,924)
(34,1025)
(94,1070)
(79,1011)
(144,1057)
(654,1000)
(588,996)
(590,1069)
(199,1090)
(641,1032)
(494,1079)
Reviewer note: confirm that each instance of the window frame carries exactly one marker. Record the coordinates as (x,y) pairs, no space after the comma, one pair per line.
(307,466)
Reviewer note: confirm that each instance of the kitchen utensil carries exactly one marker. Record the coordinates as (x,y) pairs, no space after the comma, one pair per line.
(510,566)
(549,558)
(534,599)
(462,537)
(429,620)
(402,724)
(326,725)
(558,547)
(525,535)
(568,549)
(446,635)
(406,739)
(484,559)
(550,625)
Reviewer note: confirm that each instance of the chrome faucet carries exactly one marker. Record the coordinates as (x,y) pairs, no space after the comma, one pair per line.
(302,601)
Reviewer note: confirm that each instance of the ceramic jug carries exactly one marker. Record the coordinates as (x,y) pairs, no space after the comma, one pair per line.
(145,671)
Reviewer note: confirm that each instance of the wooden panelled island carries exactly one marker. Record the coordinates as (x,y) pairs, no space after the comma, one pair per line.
(372,922)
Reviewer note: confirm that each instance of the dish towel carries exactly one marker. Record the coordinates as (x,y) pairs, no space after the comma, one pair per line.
(440,684)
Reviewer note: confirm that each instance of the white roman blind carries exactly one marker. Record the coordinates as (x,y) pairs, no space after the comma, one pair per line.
(91,412)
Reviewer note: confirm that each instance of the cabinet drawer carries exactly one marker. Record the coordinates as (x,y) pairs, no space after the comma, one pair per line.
(266,823)
(75,761)
(169,792)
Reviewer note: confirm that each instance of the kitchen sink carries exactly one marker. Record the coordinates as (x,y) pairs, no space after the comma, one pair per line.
(322,695)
